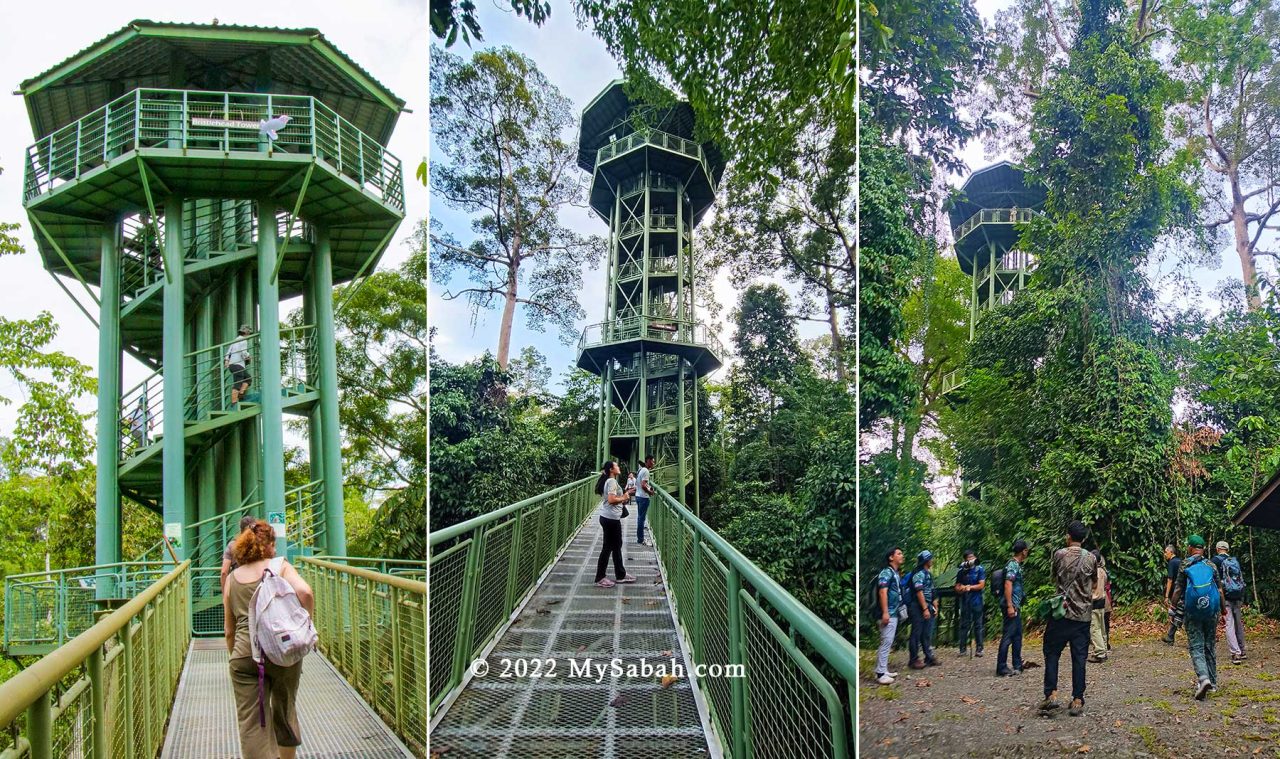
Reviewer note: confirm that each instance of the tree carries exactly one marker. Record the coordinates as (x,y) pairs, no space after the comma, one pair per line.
(757,75)
(1228,55)
(453,18)
(530,374)
(770,357)
(802,222)
(501,127)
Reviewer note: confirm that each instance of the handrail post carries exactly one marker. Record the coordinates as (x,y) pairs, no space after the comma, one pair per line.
(40,726)
(98,706)
(737,685)
(397,660)
(126,667)
(470,589)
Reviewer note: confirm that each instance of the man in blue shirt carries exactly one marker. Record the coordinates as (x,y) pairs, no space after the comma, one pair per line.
(1012,596)
(922,612)
(889,604)
(644,491)
(971,579)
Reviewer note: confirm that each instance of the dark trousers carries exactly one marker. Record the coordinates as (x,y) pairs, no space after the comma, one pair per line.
(1058,635)
(1010,638)
(642,509)
(612,547)
(921,633)
(971,619)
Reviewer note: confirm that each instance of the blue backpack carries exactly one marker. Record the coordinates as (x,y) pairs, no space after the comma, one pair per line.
(1232,578)
(1201,600)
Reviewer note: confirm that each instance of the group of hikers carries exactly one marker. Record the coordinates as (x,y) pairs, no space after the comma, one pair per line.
(1198,592)
(267,609)
(614,497)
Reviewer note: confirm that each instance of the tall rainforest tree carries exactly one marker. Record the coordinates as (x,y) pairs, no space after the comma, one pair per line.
(1071,414)
(502,128)
(1228,54)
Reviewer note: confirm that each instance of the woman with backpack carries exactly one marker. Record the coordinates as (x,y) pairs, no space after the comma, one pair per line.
(265,692)
(613,500)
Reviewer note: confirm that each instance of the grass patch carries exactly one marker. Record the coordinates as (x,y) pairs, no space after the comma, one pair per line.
(1136,701)
(1267,677)
(1148,736)
(1163,706)
(1270,717)
(881,692)
(948,717)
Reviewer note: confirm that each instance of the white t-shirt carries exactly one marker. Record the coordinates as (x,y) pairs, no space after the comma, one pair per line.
(238,353)
(611,510)
(642,479)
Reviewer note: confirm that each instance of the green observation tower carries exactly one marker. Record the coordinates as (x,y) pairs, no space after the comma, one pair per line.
(652,183)
(192,178)
(986,222)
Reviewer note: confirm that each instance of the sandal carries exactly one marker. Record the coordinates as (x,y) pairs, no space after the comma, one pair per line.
(605,583)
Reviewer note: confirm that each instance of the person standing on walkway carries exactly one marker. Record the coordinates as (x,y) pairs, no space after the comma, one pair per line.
(971,579)
(644,491)
(889,602)
(1013,595)
(1098,612)
(265,709)
(1172,565)
(1074,572)
(612,499)
(1233,584)
(923,613)
(1199,589)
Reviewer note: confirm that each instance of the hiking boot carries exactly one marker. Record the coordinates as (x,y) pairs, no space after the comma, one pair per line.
(605,583)
(1048,705)
(1017,670)
(963,654)
(916,664)
(978,653)
(884,679)
(1167,640)
(1202,689)
(1076,708)
(1004,673)
(932,663)
(1237,660)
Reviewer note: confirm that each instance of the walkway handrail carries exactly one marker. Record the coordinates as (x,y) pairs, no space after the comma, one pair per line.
(373,628)
(483,568)
(784,696)
(150,636)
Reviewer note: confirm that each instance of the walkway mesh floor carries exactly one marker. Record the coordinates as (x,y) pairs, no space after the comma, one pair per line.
(336,723)
(570,621)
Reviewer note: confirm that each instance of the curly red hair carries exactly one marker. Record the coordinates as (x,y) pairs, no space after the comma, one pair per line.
(255,543)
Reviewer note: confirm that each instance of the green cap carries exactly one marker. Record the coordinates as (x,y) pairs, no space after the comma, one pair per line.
(1195,540)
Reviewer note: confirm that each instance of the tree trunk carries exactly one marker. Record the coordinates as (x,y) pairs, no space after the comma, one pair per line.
(833,321)
(508,317)
(1240,229)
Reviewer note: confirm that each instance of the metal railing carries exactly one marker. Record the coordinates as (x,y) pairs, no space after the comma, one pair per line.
(952,380)
(637,184)
(796,695)
(225,122)
(46,609)
(650,328)
(658,222)
(994,216)
(410,568)
(655,137)
(304,517)
(632,269)
(483,568)
(373,628)
(123,672)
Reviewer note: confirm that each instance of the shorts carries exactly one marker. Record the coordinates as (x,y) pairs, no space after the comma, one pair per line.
(239,375)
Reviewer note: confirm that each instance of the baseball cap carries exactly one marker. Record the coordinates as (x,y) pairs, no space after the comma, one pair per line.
(924,556)
(1195,540)
(1222,544)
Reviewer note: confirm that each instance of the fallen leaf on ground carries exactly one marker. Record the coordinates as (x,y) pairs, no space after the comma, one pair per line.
(544,611)
(1119,723)
(902,718)
(1084,749)
(581,649)
(646,603)
(618,700)
(969,699)
(626,600)
(923,683)
(888,741)
(669,680)
(665,654)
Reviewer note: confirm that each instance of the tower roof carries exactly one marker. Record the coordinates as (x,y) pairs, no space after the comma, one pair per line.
(607,118)
(225,57)
(1000,185)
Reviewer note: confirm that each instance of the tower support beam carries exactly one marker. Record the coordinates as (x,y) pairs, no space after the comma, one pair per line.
(330,431)
(174,353)
(107,534)
(269,366)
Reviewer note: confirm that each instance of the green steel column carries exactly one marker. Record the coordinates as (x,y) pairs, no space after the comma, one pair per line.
(233,487)
(680,422)
(250,439)
(269,365)
(697,446)
(973,298)
(330,432)
(991,276)
(174,450)
(206,474)
(107,538)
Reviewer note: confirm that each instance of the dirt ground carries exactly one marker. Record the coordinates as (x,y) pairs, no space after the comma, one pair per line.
(1137,704)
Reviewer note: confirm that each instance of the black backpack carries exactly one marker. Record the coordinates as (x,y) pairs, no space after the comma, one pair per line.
(996,583)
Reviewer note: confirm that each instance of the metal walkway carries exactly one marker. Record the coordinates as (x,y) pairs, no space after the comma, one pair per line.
(336,722)
(568,620)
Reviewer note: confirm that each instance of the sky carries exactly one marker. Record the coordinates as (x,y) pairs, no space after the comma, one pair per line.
(389,38)
(576,62)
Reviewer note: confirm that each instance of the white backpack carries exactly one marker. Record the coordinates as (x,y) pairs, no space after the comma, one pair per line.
(280,630)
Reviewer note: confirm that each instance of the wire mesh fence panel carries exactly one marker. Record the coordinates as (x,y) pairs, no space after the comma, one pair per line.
(373,628)
(112,687)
